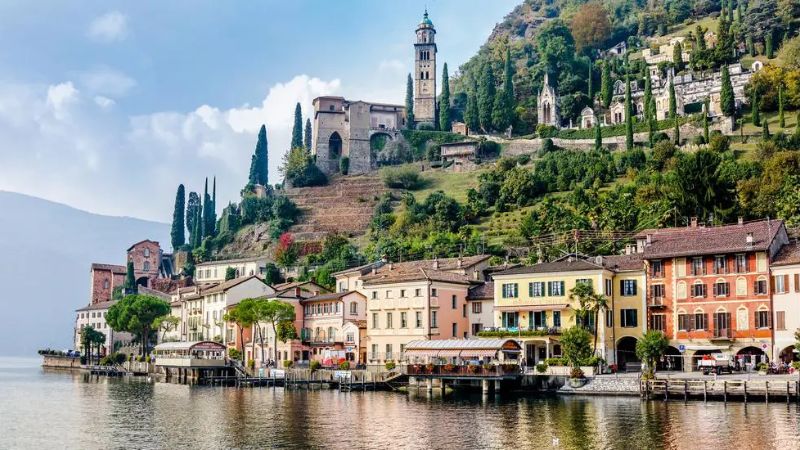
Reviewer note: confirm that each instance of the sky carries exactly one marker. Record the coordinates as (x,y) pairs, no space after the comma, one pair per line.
(107,106)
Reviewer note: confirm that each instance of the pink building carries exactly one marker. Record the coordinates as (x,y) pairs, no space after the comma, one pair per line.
(332,327)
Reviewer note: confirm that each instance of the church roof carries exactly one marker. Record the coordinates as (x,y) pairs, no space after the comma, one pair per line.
(426,22)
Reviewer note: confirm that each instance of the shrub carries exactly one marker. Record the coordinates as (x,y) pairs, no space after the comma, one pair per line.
(546,131)
(796,365)
(541,367)
(449,368)
(401,177)
(344,165)
(488,149)
(315,365)
(762,366)
(251,364)
(426,126)
(234,353)
(555,362)
(344,365)
(390,365)
(576,372)
(473,369)
(576,345)
(287,364)
(547,146)
(83,360)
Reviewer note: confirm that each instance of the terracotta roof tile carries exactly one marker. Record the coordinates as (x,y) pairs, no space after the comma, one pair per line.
(481,291)
(424,270)
(673,242)
(564,265)
(789,254)
(112,267)
(222,287)
(96,306)
(624,263)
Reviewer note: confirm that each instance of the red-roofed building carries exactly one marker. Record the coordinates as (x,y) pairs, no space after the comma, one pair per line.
(709,287)
(105,277)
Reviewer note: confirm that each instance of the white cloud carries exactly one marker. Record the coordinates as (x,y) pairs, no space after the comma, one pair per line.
(84,152)
(109,27)
(107,82)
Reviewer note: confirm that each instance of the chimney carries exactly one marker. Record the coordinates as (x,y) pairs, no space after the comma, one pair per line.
(650,237)
(297,291)
(694,222)
(475,274)
(749,239)
(598,260)
(435,263)
(741,220)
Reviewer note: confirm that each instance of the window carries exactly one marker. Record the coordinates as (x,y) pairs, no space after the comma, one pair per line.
(455,330)
(538,319)
(720,265)
(434,292)
(375,320)
(781,283)
(627,318)
(585,281)
(510,290)
(555,288)
(698,290)
(657,291)
(388,294)
(700,321)
(402,349)
(683,322)
(354,308)
(402,293)
(388,351)
(557,319)
(146,252)
(105,284)
(656,269)
(464,310)
(374,295)
(697,266)
(536,289)
(434,319)
(454,302)
(741,263)
(780,320)
(476,328)
(762,319)
(658,321)
(146,266)
(510,319)
(609,288)
(760,287)
(418,319)
(342,286)
(388,320)
(627,288)
(721,289)
(350,337)
(417,292)
(476,307)
(609,318)
(403,320)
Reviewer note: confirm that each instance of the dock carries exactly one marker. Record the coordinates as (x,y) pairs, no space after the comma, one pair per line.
(345,381)
(734,389)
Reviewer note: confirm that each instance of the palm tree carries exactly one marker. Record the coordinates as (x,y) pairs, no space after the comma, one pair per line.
(597,303)
(591,304)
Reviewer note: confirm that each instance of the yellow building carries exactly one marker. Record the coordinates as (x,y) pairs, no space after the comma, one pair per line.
(534,303)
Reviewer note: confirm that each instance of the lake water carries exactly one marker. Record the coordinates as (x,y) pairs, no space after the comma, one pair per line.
(42,409)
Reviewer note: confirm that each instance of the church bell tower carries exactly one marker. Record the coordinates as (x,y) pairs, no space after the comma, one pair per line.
(425,72)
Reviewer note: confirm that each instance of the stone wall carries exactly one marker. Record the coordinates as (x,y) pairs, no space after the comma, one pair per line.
(61,362)
(606,385)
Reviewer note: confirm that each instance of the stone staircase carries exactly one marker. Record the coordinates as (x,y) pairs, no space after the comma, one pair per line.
(343,206)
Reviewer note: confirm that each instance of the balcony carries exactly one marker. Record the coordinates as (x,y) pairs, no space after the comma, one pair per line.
(656,302)
(519,331)
(722,334)
(657,274)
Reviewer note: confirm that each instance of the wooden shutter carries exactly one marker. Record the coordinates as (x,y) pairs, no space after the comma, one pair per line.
(786,283)
(549,288)
(772,283)
(714,288)
(562,287)
(797,282)
(621,287)
(780,320)
(716,323)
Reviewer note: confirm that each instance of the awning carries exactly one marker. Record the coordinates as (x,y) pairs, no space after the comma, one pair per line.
(448,353)
(421,352)
(708,347)
(478,353)
(533,307)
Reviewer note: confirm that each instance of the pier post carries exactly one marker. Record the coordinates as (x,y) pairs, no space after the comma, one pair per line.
(787,392)
(725,390)
(497,387)
(685,390)
(766,391)
(705,390)
(429,384)
(485,387)
(744,383)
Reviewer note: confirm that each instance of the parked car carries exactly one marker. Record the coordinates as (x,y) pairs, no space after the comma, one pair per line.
(715,363)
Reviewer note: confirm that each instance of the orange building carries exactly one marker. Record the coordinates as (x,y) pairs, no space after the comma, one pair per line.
(709,288)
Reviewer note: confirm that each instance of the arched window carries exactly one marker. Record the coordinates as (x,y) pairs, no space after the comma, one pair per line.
(335,146)
(741,286)
(331,334)
(146,266)
(681,289)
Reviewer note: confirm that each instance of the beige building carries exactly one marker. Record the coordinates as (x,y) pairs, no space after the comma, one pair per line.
(214,271)
(461,155)
(786,301)
(480,310)
(94,315)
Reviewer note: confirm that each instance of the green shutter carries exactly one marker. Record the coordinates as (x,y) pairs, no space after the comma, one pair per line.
(549,288)
(634,287)
(562,287)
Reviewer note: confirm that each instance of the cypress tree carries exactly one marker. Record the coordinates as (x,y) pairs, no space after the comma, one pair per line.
(486,94)
(755,113)
(130,285)
(193,205)
(727,100)
(673,107)
(628,114)
(307,137)
(739,12)
(508,89)
(444,101)
(750,47)
(677,57)
(214,206)
(471,117)
(706,112)
(676,139)
(177,234)
(648,95)
(259,168)
(765,130)
(206,215)
(606,85)
(781,119)
(590,91)
(768,46)
(297,129)
(409,102)
(598,136)
(197,233)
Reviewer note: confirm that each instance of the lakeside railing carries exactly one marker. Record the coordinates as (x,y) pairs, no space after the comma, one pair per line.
(461,370)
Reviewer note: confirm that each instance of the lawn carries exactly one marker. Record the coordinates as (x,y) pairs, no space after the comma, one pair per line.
(454,184)
(790,117)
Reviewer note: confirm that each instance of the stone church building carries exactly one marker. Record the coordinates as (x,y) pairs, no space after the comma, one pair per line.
(349,128)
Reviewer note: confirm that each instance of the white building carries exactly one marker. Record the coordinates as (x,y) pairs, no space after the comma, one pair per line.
(786,301)
(481,307)
(214,271)
(95,316)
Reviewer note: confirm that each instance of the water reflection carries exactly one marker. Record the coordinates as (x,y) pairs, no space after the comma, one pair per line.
(45,409)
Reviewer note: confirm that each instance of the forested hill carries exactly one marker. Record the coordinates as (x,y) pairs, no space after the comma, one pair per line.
(566,39)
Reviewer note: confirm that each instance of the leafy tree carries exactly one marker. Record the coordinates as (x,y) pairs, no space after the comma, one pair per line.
(165,324)
(650,348)
(677,132)
(606,85)
(297,128)
(299,169)
(243,315)
(259,164)
(677,57)
(724,50)
(576,346)
(768,46)
(280,316)
(307,137)
(136,314)
(697,189)
(272,275)
(765,135)
(178,227)
(591,304)
(230,273)
(590,26)
(285,251)
(628,114)
(130,280)
(781,119)
(486,94)
(789,53)
(727,99)
(409,102)
(444,101)
(91,338)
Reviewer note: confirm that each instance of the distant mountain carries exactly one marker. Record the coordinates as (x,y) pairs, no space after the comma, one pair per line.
(46,249)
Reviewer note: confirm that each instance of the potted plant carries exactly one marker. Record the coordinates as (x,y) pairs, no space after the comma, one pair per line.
(488,368)
(314,365)
(288,364)
(344,365)
(429,368)
(541,367)
(390,365)
(762,368)
(576,378)
(473,369)
(449,368)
